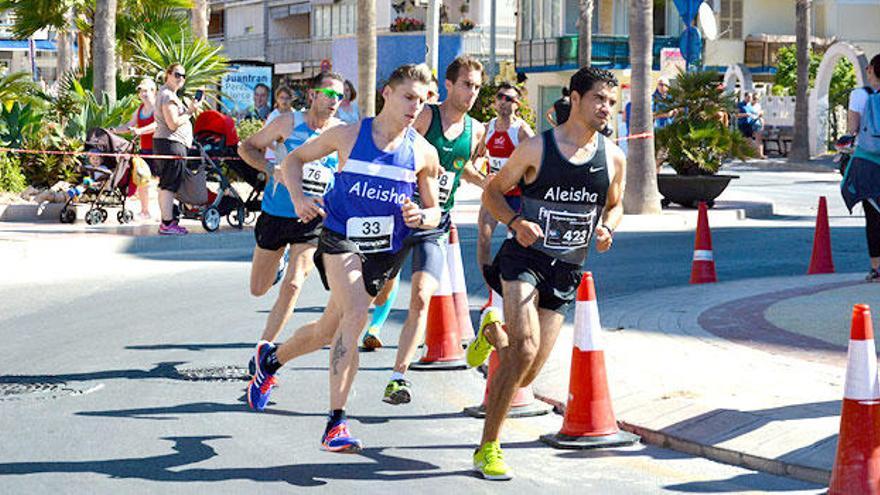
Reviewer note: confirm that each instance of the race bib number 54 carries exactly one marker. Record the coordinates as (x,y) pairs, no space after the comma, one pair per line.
(371,234)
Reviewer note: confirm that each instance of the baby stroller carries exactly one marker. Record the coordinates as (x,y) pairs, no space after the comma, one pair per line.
(216,134)
(198,202)
(105,184)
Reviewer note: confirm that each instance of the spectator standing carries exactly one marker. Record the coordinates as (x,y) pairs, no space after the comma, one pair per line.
(861,181)
(348,109)
(143,125)
(560,111)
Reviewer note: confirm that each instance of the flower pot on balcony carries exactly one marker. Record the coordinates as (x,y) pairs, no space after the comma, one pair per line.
(689,190)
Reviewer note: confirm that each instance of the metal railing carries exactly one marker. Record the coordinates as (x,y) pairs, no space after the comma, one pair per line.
(244,47)
(298,50)
(610,51)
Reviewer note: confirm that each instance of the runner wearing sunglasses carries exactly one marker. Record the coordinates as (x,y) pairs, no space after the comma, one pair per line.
(503,134)
(279,227)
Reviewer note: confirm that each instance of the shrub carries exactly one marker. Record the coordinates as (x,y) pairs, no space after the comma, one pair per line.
(11,177)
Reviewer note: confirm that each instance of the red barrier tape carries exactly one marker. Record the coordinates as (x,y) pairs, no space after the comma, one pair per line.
(114,155)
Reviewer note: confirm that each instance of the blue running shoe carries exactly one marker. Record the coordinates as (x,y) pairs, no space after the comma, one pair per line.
(260,386)
(282,266)
(338,439)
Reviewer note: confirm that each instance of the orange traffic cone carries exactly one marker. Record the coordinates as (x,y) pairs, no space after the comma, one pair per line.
(442,336)
(703,267)
(589,419)
(857,465)
(459,285)
(821,260)
(523,404)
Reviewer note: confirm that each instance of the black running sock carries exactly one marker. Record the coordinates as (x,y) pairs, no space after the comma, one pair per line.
(336,416)
(167,222)
(270,361)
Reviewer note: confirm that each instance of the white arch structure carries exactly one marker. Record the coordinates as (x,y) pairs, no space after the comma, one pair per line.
(738,73)
(818,99)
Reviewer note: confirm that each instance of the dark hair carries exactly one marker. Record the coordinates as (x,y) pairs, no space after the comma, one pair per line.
(261,85)
(351,91)
(318,80)
(506,85)
(413,72)
(283,89)
(584,79)
(462,62)
(875,65)
(566,92)
(562,108)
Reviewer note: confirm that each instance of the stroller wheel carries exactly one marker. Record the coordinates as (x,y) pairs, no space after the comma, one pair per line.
(237,217)
(103,213)
(211,219)
(68,215)
(93,217)
(125,216)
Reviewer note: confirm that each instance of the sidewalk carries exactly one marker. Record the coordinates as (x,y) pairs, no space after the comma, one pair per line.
(749,372)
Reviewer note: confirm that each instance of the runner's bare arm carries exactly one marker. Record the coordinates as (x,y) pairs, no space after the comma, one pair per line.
(427,171)
(525,131)
(519,166)
(423,120)
(613,212)
(335,139)
(471,172)
(253,149)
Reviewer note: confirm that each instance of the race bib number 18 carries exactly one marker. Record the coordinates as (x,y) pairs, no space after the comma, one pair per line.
(371,234)
(316,178)
(564,230)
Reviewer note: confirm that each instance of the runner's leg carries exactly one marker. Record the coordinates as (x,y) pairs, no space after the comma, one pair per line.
(381,310)
(264,266)
(313,335)
(550,323)
(486,226)
(301,264)
(423,287)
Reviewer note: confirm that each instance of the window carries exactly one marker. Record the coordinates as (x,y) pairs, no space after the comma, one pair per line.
(573,13)
(730,19)
(525,19)
(216,24)
(333,20)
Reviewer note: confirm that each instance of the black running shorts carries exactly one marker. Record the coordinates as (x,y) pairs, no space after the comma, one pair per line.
(377,268)
(170,171)
(274,232)
(556,281)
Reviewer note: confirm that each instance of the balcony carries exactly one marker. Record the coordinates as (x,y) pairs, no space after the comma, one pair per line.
(305,50)
(245,47)
(477,42)
(612,52)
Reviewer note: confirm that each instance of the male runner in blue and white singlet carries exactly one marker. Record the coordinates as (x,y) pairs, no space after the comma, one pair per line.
(279,226)
(367,217)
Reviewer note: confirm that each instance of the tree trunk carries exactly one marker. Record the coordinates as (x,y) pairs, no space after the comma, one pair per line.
(585,33)
(105,49)
(200,19)
(64,62)
(641,195)
(800,146)
(366,43)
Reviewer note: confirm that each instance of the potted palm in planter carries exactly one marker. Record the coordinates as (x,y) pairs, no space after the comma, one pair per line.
(698,140)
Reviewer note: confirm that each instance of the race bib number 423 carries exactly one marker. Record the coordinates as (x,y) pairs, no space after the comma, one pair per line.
(316,178)
(564,230)
(371,234)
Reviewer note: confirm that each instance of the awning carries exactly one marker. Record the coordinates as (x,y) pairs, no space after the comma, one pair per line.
(22,45)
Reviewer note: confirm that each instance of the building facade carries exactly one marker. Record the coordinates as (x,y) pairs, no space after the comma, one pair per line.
(14,53)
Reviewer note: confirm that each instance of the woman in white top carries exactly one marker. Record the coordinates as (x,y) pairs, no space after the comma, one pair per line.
(348,109)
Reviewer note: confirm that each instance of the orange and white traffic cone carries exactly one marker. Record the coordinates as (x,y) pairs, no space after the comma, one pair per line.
(589,419)
(821,260)
(857,464)
(703,267)
(443,335)
(523,404)
(459,285)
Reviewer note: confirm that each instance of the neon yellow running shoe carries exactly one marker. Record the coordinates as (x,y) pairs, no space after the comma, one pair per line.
(480,348)
(489,462)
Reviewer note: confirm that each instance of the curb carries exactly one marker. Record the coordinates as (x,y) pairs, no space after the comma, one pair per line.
(726,456)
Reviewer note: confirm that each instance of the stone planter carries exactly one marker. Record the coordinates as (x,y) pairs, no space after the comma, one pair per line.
(689,190)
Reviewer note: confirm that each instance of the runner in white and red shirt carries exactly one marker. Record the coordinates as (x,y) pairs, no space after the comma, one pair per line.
(503,134)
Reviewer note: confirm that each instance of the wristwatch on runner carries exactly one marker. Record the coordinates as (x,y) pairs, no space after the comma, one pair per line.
(609,229)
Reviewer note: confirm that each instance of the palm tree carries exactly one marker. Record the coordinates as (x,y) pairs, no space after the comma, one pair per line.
(800,146)
(104,49)
(585,32)
(366,43)
(205,63)
(641,195)
(200,19)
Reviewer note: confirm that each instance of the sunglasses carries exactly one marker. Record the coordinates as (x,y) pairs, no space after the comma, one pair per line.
(507,98)
(331,93)
(179,75)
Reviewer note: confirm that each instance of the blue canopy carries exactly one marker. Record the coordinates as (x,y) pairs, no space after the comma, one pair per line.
(22,45)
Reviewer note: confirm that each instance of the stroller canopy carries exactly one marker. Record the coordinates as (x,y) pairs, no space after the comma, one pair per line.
(214,122)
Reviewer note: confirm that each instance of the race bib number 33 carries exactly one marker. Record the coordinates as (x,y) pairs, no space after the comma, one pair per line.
(371,234)
(564,230)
